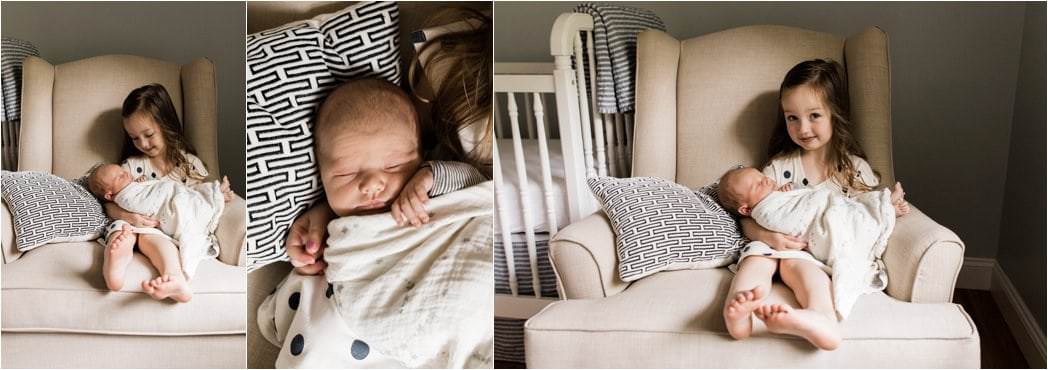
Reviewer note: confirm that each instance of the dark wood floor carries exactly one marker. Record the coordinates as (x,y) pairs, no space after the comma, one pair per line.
(999,349)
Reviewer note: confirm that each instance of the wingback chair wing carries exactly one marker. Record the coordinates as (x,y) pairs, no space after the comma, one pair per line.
(704,105)
(57,311)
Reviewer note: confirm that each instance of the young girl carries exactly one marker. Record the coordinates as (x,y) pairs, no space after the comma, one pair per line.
(812,146)
(154,149)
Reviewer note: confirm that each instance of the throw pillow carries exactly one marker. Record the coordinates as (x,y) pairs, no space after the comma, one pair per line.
(660,225)
(49,209)
(290,69)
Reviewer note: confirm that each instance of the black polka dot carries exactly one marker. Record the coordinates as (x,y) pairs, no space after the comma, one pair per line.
(805,182)
(330,290)
(293,300)
(140,170)
(359,350)
(786,174)
(153,174)
(767,254)
(297,344)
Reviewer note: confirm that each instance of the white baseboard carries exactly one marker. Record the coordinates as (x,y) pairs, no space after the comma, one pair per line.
(976,273)
(1020,320)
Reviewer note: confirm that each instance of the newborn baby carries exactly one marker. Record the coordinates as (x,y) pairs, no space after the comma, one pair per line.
(187,215)
(845,235)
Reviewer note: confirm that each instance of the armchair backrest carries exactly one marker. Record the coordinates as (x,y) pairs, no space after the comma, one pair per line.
(71,112)
(708,103)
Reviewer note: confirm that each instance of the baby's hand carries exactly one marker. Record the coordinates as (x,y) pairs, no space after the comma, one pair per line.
(227,193)
(410,204)
(786,187)
(140,178)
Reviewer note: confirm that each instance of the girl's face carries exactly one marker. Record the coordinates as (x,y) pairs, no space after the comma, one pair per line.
(145,133)
(807,117)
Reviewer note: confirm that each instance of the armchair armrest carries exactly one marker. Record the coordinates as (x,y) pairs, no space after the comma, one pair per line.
(923,259)
(584,259)
(7,233)
(231,233)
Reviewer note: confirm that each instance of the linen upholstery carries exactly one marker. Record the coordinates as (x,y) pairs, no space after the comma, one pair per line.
(71,120)
(21,350)
(673,320)
(65,129)
(704,105)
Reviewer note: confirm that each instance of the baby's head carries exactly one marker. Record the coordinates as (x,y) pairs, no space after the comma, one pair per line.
(367,145)
(105,181)
(741,189)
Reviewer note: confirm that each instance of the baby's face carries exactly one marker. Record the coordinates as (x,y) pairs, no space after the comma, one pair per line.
(363,169)
(753,185)
(113,179)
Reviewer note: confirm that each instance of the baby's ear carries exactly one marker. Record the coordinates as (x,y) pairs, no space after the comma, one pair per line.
(108,195)
(744,210)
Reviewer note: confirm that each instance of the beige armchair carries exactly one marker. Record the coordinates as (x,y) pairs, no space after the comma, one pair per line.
(57,311)
(707,103)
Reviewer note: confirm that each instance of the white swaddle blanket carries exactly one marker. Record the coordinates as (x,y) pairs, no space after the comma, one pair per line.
(188,215)
(847,234)
(423,296)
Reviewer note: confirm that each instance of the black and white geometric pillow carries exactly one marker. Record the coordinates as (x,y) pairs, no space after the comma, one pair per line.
(290,69)
(660,225)
(49,209)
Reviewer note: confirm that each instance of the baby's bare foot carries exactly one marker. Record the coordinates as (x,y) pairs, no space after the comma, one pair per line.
(902,207)
(227,193)
(168,286)
(818,329)
(737,312)
(118,254)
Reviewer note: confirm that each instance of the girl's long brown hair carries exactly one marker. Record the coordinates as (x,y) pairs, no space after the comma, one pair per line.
(828,79)
(154,100)
(464,95)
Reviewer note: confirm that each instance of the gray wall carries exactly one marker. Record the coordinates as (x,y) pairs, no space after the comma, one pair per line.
(176,32)
(1022,243)
(954,69)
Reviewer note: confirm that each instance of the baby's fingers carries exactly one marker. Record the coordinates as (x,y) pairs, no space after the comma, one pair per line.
(408,212)
(419,209)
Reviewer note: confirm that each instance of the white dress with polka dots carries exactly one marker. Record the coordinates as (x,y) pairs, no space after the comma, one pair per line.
(789,169)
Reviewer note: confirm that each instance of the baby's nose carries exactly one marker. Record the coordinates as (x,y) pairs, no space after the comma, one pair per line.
(373,186)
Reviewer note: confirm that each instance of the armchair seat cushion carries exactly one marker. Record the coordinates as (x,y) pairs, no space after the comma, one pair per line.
(59,288)
(674,319)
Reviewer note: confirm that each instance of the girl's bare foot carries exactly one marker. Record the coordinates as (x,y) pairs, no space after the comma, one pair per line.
(818,329)
(167,286)
(737,312)
(902,207)
(118,254)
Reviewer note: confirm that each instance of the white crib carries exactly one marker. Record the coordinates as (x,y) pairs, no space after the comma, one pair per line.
(549,140)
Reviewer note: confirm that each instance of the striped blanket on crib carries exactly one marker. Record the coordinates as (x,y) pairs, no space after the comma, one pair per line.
(615,30)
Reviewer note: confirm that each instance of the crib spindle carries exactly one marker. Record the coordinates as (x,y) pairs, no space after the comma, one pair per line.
(613,159)
(503,213)
(580,83)
(522,181)
(597,123)
(547,174)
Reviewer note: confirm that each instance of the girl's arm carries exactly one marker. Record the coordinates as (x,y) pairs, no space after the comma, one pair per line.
(449,176)
(778,241)
(115,212)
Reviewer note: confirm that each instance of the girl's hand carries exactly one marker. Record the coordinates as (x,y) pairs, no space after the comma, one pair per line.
(786,187)
(305,240)
(410,204)
(778,241)
(783,242)
(137,220)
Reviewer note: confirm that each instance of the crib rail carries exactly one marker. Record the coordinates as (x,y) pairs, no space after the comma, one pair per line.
(591,144)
